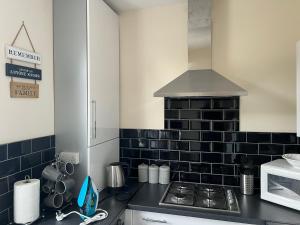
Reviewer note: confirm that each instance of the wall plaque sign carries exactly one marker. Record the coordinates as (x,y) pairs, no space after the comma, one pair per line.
(14,70)
(19,89)
(22,55)
(23,90)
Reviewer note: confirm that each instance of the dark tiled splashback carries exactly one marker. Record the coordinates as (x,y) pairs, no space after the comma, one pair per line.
(17,160)
(211,114)
(202,143)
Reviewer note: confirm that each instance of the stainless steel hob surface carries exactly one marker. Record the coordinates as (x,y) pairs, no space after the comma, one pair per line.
(200,196)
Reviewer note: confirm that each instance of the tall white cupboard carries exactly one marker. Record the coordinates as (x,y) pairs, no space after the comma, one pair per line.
(86,84)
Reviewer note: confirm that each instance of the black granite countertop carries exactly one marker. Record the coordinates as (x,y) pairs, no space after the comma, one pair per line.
(146,197)
(253,209)
(115,209)
(115,205)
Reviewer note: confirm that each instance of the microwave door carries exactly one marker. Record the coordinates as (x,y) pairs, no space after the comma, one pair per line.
(284,187)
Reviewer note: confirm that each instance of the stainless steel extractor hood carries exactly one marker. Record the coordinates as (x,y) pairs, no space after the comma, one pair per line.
(200,83)
(200,79)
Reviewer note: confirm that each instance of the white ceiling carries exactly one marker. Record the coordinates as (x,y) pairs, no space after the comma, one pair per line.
(124,5)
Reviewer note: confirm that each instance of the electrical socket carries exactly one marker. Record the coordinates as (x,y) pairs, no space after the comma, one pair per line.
(71,157)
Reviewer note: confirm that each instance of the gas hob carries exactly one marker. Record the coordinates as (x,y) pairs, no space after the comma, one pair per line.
(200,196)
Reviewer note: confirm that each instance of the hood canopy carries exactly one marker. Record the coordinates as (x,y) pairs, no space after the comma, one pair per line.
(200,79)
(195,83)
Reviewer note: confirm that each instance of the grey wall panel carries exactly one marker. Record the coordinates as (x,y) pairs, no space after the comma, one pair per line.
(70,79)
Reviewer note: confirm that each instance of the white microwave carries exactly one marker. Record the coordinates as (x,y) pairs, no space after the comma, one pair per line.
(280,183)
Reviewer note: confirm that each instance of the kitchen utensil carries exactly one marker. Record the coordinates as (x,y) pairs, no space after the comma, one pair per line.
(115,175)
(246,176)
(280,183)
(87,201)
(153,174)
(247,184)
(293,159)
(196,196)
(88,197)
(66,168)
(68,196)
(26,201)
(143,172)
(51,173)
(48,187)
(164,174)
(64,185)
(54,200)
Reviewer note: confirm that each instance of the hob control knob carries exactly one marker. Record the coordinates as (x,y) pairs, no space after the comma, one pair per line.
(119,222)
(230,197)
(230,200)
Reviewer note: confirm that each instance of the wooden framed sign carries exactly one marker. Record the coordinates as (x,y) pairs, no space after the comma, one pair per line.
(23,90)
(23,55)
(14,70)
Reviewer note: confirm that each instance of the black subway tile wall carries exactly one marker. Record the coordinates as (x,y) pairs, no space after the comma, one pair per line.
(202,143)
(18,160)
(216,114)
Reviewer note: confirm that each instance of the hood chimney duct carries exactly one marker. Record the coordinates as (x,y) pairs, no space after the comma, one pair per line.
(200,79)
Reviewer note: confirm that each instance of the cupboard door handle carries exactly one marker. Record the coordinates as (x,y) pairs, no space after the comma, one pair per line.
(95,125)
(154,221)
(94,120)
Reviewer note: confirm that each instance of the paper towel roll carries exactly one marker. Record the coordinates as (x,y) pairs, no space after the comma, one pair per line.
(26,201)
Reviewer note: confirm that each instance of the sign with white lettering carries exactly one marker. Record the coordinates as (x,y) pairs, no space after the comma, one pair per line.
(23,55)
(23,90)
(13,70)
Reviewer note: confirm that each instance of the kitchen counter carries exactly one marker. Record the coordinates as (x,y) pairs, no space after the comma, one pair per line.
(146,198)
(115,206)
(253,209)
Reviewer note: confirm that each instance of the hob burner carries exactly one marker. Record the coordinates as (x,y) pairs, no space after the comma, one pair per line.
(182,188)
(198,196)
(209,203)
(179,196)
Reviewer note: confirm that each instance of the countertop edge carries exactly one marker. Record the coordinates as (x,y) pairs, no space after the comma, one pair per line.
(253,210)
(206,215)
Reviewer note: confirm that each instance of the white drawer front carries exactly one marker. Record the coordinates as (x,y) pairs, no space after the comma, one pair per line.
(150,218)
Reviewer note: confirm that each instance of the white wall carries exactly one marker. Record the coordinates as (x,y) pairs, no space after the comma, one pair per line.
(153,52)
(254,45)
(27,118)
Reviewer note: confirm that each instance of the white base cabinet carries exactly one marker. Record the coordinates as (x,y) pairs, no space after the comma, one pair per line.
(134,217)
